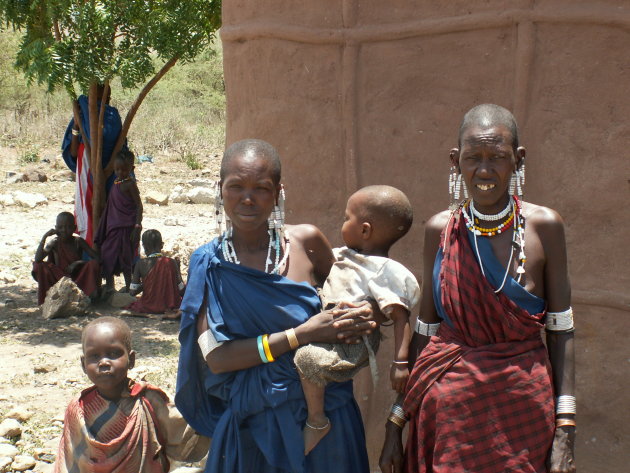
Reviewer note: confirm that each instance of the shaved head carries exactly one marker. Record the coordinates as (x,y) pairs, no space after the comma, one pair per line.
(118,324)
(489,115)
(386,207)
(252,148)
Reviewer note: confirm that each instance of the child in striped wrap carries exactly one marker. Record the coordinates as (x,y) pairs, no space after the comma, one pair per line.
(119,425)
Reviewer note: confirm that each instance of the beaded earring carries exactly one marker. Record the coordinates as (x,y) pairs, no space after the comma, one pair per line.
(517,182)
(219,213)
(456,187)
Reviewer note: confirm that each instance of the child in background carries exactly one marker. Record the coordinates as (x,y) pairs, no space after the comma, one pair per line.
(376,217)
(119,425)
(118,232)
(158,277)
(65,258)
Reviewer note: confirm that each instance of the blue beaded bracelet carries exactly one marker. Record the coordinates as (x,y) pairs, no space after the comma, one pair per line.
(261,349)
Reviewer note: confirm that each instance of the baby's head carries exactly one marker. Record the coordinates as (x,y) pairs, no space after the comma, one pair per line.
(152,242)
(107,355)
(376,218)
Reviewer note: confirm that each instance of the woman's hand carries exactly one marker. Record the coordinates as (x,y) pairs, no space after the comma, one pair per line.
(561,458)
(325,327)
(391,460)
(357,319)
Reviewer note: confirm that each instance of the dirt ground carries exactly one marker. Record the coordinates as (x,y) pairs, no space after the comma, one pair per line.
(40,358)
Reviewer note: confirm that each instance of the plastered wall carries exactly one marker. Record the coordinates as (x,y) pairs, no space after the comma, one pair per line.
(362,92)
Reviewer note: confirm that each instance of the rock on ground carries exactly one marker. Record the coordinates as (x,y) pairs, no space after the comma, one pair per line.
(6,200)
(121,299)
(201,195)
(156,198)
(10,428)
(178,195)
(34,175)
(27,200)
(5,464)
(64,299)
(23,462)
(21,414)
(7,277)
(8,450)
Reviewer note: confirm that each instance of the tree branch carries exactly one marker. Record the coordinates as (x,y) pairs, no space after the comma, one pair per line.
(134,108)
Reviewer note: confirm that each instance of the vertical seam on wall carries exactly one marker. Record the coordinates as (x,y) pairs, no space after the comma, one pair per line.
(525,39)
(349,75)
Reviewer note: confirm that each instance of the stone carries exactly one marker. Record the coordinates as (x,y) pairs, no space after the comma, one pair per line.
(33,175)
(10,304)
(5,464)
(201,195)
(42,454)
(171,222)
(178,195)
(8,450)
(121,299)
(23,462)
(43,467)
(10,428)
(7,277)
(27,200)
(21,414)
(15,177)
(6,200)
(44,368)
(201,182)
(64,299)
(156,198)
(64,175)
(69,199)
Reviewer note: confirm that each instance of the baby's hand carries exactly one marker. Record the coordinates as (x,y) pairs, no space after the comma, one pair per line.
(399,373)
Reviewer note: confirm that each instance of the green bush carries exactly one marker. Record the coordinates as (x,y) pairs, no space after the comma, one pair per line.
(29,157)
(184,113)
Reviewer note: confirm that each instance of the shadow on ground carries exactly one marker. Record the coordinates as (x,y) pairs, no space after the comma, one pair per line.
(21,322)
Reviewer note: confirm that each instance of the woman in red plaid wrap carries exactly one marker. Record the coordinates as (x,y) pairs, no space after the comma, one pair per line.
(480,397)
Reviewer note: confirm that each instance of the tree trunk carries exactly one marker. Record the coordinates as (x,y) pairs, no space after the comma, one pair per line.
(134,108)
(96,167)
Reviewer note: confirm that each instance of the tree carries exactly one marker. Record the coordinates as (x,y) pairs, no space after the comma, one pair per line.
(80,44)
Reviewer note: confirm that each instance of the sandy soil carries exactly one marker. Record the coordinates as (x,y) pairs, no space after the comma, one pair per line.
(40,358)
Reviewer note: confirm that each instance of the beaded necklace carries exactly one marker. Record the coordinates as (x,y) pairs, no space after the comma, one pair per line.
(120,181)
(229,252)
(492,217)
(154,255)
(518,236)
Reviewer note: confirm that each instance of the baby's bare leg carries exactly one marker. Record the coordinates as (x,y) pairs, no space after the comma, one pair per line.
(317,424)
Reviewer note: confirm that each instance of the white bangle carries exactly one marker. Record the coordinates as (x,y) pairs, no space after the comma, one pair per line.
(428,330)
(207,343)
(75,132)
(559,321)
(565,404)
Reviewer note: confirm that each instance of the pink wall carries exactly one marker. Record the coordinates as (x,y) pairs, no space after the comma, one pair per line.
(356,93)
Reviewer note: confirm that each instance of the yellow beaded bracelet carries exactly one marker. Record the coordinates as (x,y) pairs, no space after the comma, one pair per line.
(265,342)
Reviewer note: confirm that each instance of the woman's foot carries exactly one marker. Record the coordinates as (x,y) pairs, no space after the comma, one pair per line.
(314,431)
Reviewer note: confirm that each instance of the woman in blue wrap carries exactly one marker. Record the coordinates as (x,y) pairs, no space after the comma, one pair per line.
(249,303)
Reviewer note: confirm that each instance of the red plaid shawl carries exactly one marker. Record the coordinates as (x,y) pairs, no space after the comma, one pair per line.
(101,436)
(480,396)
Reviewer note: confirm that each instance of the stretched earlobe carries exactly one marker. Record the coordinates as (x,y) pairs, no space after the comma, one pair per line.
(520,156)
(454,158)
